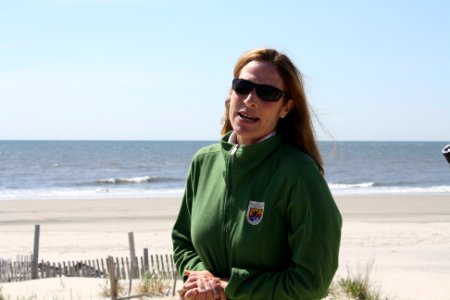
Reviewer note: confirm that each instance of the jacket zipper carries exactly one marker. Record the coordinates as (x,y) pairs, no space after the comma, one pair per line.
(227,203)
(234,149)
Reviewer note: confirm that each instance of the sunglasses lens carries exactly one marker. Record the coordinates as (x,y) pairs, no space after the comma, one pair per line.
(242,87)
(269,93)
(265,92)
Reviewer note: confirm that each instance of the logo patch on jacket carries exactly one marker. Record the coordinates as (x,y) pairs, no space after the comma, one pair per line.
(255,212)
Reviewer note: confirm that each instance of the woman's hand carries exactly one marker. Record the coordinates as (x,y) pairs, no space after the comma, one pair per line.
(202,285)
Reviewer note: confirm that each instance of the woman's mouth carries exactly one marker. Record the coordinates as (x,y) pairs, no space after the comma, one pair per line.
(247,117)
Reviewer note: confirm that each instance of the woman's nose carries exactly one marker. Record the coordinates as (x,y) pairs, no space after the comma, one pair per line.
(251,99)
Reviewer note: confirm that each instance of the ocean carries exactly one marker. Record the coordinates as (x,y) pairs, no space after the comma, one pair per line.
(138,169)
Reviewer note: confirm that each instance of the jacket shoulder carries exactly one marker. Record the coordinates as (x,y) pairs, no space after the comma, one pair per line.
(296,160)
(206,151)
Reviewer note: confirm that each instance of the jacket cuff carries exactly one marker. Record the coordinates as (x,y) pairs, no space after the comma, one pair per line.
(198,267)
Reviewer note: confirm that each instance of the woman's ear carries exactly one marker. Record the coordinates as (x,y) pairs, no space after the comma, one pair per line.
(286,108)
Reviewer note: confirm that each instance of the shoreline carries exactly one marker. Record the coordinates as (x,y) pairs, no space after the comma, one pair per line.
(113,195)
(406,237)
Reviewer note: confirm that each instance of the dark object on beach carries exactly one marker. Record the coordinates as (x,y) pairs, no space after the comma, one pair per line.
(446,152)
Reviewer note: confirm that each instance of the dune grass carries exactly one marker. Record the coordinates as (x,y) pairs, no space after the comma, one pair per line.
(105,289)
(151,284)
(357,285)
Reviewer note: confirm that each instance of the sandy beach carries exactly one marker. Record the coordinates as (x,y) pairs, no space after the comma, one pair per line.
(407,238)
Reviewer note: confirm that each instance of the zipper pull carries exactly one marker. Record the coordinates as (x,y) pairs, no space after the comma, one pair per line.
(234,149)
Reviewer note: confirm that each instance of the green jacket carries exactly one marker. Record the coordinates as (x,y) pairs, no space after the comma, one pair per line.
(261,215)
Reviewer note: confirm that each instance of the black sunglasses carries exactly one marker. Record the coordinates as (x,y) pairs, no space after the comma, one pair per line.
(264,91)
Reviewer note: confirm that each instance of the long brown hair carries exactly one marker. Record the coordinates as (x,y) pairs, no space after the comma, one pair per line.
(297,127)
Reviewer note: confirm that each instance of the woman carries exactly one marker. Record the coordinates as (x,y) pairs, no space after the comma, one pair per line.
(257,219)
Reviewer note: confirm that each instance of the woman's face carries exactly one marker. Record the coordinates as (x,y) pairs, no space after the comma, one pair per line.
(251,117)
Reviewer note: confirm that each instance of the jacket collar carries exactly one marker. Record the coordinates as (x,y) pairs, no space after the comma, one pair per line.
(245,158)
(232,139)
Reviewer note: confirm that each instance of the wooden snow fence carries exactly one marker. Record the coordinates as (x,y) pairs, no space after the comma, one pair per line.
(29,267)
(20,270)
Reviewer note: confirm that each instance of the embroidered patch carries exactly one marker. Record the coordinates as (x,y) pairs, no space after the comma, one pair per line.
(255,212)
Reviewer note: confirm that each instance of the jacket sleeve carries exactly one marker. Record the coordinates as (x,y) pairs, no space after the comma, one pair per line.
(185,255)
(314,237)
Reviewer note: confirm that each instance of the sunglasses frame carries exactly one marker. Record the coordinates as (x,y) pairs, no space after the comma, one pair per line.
(260,88)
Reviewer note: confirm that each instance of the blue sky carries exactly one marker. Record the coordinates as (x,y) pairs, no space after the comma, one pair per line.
(161,69)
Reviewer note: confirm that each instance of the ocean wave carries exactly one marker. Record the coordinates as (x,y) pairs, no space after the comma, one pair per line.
(377,188)
(392,190)
(343,186)
(117,192)
(96,193)
(176,189)
(135,180)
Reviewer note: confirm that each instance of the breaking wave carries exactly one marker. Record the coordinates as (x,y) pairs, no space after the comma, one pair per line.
(343,186)
(135,180)
(374,188)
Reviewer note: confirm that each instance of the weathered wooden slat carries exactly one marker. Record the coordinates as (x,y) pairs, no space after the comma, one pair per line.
(157,263)
(172,264)
(142,269)
(127,264)
(136,268)
(122,274)
(103,267)
(169,269)
(146,262)
(52,269)
(153,263)
(71,269)
(98,268)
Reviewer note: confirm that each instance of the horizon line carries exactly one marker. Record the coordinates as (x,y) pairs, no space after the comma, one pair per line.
(204,140)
